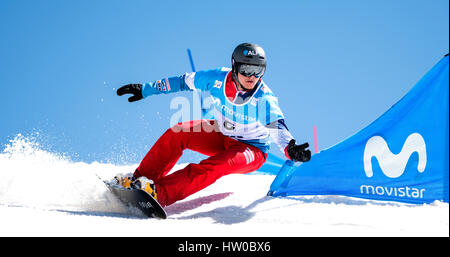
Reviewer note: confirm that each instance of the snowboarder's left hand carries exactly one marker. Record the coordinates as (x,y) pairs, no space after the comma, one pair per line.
(298,152)
(135,89)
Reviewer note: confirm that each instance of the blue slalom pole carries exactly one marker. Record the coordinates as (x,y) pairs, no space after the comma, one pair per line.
(283,176)
(191,59)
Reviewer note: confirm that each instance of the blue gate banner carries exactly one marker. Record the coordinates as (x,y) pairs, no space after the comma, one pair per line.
(401,156)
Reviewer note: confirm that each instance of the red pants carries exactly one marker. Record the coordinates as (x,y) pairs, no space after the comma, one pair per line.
(227,156)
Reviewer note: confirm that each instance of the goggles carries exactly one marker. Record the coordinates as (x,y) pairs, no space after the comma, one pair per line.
(249,70)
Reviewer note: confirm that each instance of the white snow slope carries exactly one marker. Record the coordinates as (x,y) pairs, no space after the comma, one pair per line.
(43,194)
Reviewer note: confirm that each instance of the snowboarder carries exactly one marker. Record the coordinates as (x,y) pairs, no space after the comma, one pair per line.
(246,116)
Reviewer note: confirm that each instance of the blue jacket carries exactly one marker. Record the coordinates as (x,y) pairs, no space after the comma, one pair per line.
(253,118)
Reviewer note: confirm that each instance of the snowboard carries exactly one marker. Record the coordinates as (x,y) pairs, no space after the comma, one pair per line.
(139,199)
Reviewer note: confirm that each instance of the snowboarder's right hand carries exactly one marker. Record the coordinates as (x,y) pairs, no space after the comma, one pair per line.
(135,89)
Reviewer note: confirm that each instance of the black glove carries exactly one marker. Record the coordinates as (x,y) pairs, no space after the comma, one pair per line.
(298,152)
(135,89)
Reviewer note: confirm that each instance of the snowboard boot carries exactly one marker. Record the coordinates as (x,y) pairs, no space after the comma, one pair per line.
(146,185)
(124,180)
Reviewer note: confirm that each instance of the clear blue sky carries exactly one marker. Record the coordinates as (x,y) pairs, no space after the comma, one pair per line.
(334,64)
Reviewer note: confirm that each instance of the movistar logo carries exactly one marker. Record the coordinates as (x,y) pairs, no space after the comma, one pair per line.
(393,165)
